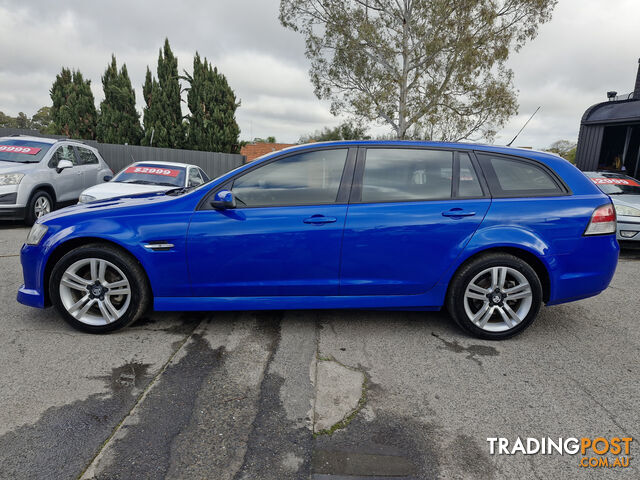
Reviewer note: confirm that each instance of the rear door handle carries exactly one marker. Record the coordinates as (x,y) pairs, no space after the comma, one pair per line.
(319,220)
(458,212)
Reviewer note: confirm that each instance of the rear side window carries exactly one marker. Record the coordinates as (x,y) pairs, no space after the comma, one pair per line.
(469,185)
(392,175)
(87,157)
(513,177)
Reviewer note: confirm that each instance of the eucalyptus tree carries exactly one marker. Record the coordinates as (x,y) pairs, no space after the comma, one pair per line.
(432,69)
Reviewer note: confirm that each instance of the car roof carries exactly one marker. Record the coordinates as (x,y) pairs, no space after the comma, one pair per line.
(30,138)
(607,175)
(424,143)
(168,164)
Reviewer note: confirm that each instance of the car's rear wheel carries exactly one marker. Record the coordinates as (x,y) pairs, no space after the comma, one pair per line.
(98,288)
(495,296)
(39,205)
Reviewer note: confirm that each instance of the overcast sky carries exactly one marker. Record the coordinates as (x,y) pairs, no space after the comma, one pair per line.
(590,47)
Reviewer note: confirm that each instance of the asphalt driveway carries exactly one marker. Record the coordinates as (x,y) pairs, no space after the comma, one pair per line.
(319,394)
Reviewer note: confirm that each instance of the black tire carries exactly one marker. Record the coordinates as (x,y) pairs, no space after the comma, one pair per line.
(140,291)
(462,278)
(30,213)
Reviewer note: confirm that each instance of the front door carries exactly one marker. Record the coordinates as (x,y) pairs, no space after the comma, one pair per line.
(285,235)
(68,183)
(412,212)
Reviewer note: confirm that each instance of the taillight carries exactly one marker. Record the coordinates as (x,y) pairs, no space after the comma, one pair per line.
(603,221)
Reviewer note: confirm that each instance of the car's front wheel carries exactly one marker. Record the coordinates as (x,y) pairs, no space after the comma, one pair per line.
(495,296)
(98,288)
(40,204)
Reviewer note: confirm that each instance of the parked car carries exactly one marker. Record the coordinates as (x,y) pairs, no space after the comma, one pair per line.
(146,177)
(38,174)
(625,194)
(491,233)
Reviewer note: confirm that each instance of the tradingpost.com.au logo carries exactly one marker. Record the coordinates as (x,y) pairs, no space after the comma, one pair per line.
(597,452)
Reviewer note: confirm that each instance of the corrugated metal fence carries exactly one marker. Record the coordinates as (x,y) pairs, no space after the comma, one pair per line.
(119,156)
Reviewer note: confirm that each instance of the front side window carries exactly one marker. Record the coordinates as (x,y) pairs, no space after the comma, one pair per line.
(310,178)
(65,152)
(516,177)
(194,177)
(405,175)
(87,157)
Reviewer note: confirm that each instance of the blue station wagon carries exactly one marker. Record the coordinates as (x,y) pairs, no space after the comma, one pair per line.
(489,233)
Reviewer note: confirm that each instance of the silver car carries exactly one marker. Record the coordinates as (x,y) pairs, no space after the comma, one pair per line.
(625,193)
(38,174)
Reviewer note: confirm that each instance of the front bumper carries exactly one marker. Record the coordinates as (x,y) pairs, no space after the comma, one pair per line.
(628,225)
(31,293)
(12,212)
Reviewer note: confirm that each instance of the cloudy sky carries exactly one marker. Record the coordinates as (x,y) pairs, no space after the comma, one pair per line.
(589,47)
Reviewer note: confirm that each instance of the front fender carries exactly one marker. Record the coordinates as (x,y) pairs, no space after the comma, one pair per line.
(132,233)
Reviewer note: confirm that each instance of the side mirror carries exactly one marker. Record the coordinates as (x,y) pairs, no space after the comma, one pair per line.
(223,200)
(63,164)
(107,178)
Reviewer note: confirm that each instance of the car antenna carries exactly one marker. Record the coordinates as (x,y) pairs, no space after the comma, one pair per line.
(524,126)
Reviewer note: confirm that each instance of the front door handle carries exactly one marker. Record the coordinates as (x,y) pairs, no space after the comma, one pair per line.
(319,219)
(458,212)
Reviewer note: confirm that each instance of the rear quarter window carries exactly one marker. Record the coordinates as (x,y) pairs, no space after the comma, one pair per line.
(518,177)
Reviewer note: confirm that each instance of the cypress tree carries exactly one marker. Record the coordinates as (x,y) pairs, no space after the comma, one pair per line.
(73,111)
(211,124)
(163,113)
(118,122)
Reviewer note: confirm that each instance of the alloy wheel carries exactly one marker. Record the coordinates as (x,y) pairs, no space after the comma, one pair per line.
(497,299)
(95,291)
(41,207)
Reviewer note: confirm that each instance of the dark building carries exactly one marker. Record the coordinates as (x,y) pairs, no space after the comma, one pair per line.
(609,136)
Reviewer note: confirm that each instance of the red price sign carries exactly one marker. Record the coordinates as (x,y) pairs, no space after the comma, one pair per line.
(166,172)
(615,181)
(19,149)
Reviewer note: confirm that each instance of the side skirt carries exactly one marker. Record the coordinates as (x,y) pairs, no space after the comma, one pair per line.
(432,301)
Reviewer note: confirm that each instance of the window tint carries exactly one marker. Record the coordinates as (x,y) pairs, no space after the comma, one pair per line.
(194,177)
(64,152)
(515,176)
(469,185)
(204,176)
(304,179)
(403,174)
(87,157)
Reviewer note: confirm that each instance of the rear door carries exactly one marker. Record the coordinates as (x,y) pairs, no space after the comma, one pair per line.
(411,213)
(89,165)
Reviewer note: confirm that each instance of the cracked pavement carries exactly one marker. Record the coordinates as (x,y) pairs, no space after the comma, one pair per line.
(248,395)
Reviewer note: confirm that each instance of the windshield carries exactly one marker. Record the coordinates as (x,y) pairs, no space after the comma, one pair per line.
(22,151)
(152,174)
(618,185)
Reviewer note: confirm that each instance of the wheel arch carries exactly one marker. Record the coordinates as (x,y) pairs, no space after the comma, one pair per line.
(63,248)
(531,258)
(47,187)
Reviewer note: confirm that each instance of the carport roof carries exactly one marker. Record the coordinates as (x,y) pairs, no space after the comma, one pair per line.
(613,112)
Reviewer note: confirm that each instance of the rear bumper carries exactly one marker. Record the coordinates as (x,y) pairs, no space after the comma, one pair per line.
(585,272)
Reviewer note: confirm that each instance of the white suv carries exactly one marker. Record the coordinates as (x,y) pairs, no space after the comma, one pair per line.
(38,174)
